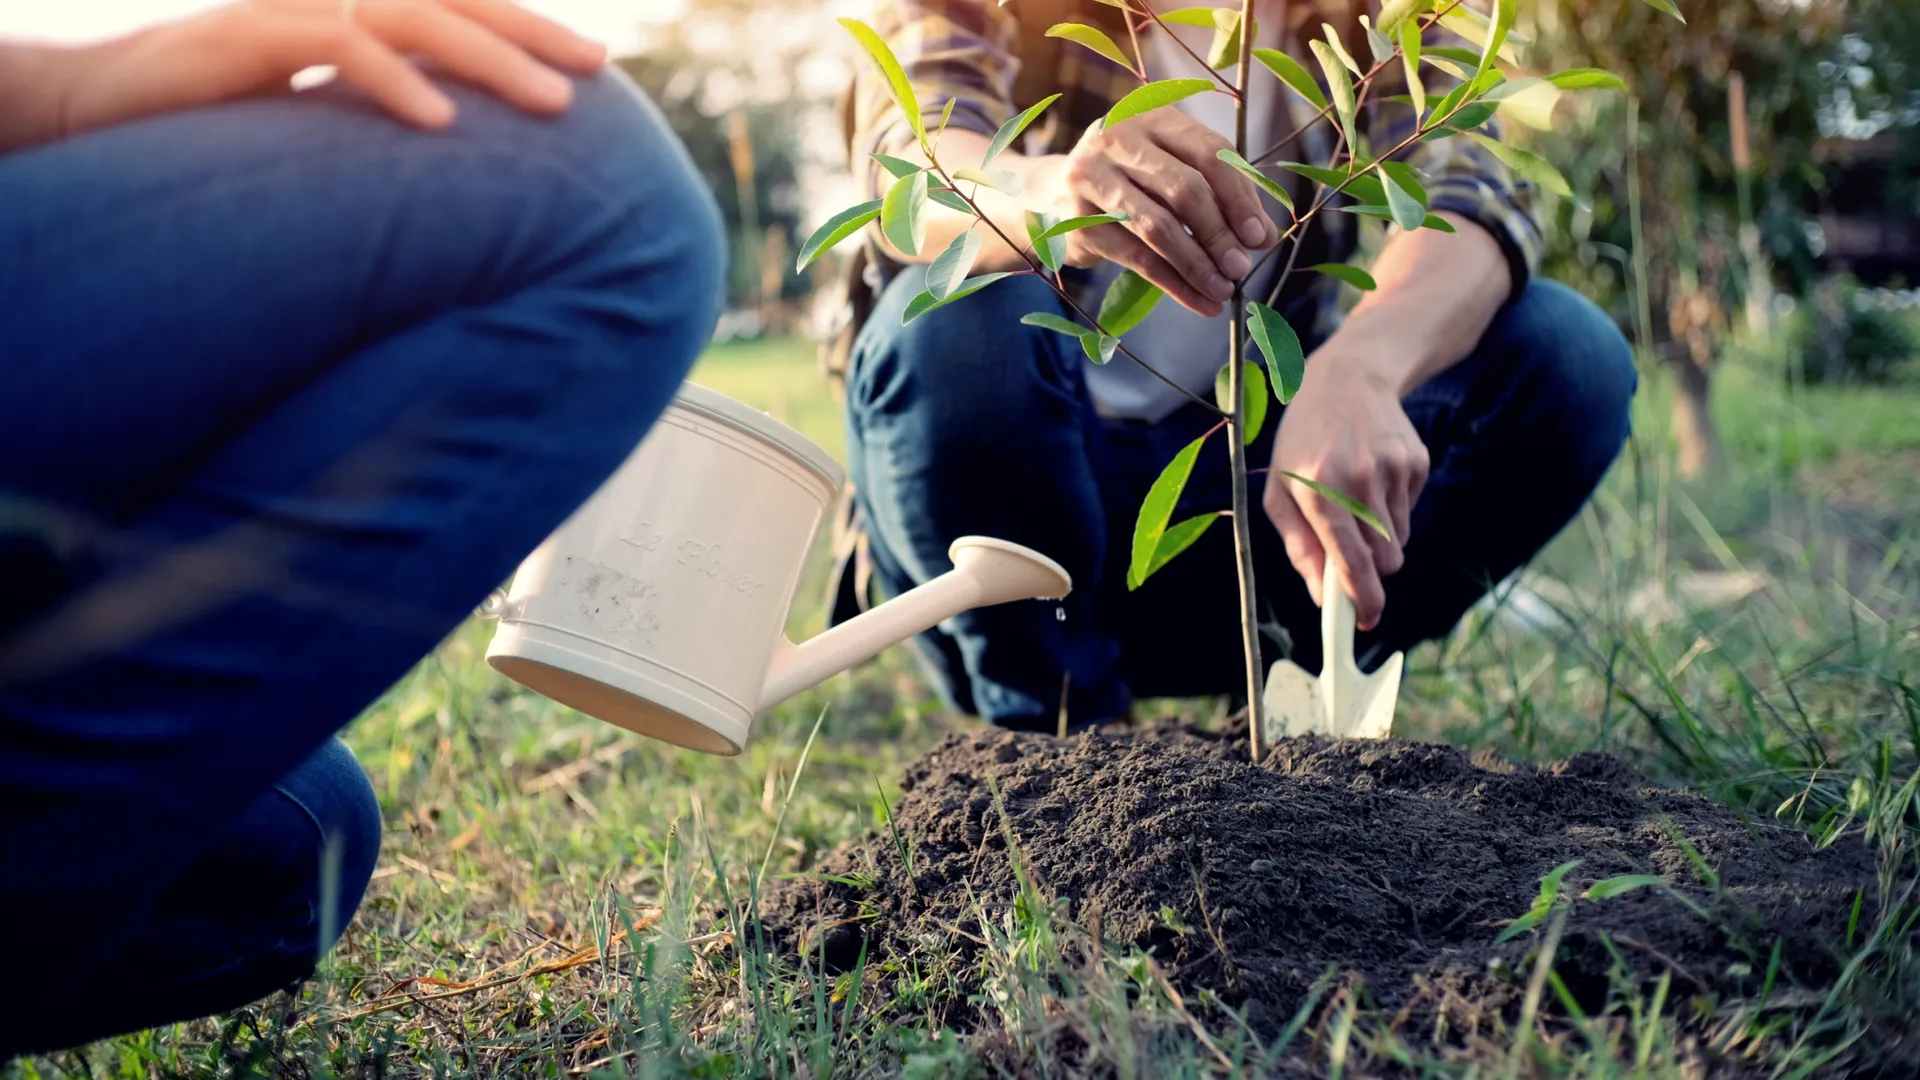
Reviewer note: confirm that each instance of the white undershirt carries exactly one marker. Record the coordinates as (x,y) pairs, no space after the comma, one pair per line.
(1188,348)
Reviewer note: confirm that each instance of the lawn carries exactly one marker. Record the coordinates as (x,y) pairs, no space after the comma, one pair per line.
(554,895)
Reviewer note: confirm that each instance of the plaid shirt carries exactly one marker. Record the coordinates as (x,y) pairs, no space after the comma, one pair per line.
(992,60)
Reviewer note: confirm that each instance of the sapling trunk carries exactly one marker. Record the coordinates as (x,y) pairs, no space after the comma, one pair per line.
(1237,443)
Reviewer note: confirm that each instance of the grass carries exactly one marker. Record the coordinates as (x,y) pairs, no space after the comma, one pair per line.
(558,899)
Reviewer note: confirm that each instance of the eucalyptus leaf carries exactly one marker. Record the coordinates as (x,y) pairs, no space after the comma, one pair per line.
(952,266)
(1340,49)
(1098,347)
(950,199)
(1267,183)
(1587,79)
(1128,300)
(1225,47)
(899,167)
(1011,130)
(1360,511)
(896,76)
(903,213)
(1410,60)
(1339,86)
(1050,250)
(1176,540)
(1254,387)
(926,301)
(1293,74)
(1348,273)
(1074,224)
(1408,178)
(1407,211)
(1286,363)
(1201,17)
(1378,43)
(1476,28)
(1472,116)
(1098,41)
(1365,186)
(1152,96)
(835,229)
(1504,12)
(1157,509)
(1432,221)
(1000,179)
(1059,324)
(1397,13)
(1666,6)
(1532,167)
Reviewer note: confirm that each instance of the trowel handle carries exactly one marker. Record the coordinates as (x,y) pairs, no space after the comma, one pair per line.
(1336,622)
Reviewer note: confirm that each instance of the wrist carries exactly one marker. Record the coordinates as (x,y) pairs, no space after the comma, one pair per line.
(1371,356)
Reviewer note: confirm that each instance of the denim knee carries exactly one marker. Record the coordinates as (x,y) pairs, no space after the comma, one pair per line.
(1578,368)
(341,844)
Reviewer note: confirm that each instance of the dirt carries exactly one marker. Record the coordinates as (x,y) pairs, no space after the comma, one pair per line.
(1396,864)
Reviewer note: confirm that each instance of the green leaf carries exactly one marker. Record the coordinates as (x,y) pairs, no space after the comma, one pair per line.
(1339,85)
(1255,391)
(1433,221)
(1348,273)
(1074,224)
(1620,886)
(835,229)
(1050,250)
(1340,49)
(1082,34)
(1098,347)
(1408,178)
(1348,503)
(1529,165)
(1267,183)
(1128,300)
(1521,925)
(903,213)
(1286,363)
(1467,90)
(1410,59)
(1059,324)
(1011,130)
(1472,116)
(1474,27)
(1365,187)
(1225,48)
(1157,509)
(946,114)
(1587,79)
(1291,73)
(950,199)
(1201,17)
(883,58)
(1504,12)
(1407,211)
(1396,13)
(1152,96)
(1176,540)
(897,166)
(1668,7)
(999,180)
(926,301)
(1379,44)
(950,269)
(1550,885)
(1438,224)
(1454,53)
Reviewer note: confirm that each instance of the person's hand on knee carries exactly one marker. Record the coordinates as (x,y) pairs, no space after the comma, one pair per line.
(255,46)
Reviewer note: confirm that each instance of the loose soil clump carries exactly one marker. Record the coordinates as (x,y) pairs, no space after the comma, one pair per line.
(1397,864)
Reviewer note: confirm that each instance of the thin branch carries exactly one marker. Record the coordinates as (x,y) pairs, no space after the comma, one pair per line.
(1236,431)
(1225,86)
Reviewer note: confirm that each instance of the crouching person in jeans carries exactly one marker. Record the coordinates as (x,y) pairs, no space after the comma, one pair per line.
(293,380)
(1466,401)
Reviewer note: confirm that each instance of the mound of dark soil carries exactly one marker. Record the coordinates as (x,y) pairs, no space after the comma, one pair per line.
(1395,862)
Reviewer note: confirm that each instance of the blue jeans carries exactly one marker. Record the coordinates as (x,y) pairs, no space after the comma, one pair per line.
(290,389)
(966,421)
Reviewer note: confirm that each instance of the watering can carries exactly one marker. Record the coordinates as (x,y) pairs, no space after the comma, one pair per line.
(1341,701)
(661,604)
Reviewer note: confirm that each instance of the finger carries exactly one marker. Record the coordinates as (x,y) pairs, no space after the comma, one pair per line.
(365,63)
(471,52)
(540,36)
(1154,222)
(1399,505)
(1339,533)
(1303,546)
(1115,243)
(1188,194)
(1416,484)
(1238,201)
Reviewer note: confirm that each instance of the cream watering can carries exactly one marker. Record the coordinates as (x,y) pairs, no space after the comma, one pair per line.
(661,604)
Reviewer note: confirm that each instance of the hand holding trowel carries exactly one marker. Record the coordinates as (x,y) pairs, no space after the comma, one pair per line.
(1340,701)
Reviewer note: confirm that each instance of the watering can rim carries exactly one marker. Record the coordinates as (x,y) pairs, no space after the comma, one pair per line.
(762,426)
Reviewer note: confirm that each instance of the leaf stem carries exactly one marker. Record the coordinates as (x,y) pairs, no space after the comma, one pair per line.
(1237,92)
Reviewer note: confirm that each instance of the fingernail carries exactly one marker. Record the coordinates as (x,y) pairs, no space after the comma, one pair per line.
(1236,263)
(1219,288)
(1253,231)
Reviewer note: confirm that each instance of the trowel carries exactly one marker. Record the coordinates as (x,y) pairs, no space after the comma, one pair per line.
(1341,701)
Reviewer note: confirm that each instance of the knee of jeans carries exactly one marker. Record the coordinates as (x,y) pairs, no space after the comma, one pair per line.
(1582,369)
(335,794)
(970,366)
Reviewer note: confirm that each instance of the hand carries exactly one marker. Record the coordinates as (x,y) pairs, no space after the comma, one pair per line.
(1193,218)
(1345,429)
(254,46)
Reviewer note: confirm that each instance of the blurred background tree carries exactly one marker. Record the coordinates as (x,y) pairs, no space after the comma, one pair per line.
(1818,180)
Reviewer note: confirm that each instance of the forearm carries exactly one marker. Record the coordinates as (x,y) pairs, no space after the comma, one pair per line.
(33,81)
(1436,295)
(1007,213)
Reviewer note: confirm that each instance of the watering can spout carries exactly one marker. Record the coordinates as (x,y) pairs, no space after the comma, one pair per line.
(985,572)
